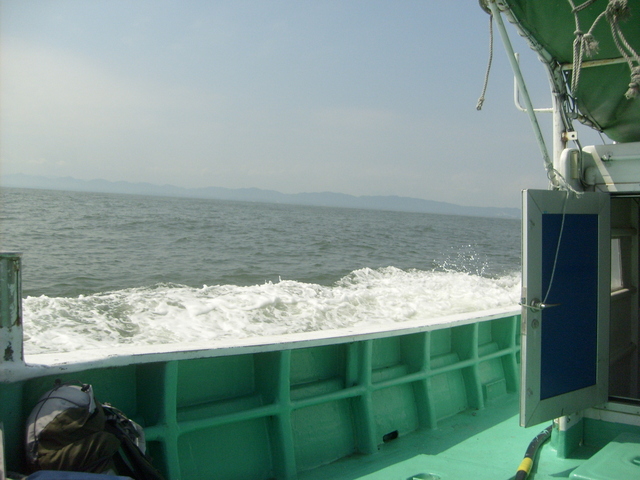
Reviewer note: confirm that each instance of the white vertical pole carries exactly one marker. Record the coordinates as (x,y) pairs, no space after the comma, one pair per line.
(11,309)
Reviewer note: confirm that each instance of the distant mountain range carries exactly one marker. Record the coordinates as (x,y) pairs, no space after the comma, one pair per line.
(321,199)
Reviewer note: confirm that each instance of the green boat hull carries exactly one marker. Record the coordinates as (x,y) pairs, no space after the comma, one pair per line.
(279,410)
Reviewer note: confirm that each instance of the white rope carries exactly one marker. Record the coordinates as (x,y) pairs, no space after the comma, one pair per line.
(634,86)
(577,48)
(486,75)
(556,178)
(555,258)
(616,11)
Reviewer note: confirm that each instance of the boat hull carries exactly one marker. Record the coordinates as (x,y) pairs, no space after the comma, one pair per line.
(278,407)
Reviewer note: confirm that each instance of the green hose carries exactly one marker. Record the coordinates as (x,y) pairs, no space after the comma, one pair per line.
(532,449)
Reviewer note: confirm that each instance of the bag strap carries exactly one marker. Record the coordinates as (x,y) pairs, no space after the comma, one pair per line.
(130,458)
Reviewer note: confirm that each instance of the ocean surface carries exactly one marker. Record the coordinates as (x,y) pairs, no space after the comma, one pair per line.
(101,270)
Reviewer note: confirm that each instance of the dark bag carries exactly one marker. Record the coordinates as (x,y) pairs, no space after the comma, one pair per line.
(69,430)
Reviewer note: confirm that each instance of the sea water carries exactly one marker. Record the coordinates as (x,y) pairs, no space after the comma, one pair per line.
(102,270)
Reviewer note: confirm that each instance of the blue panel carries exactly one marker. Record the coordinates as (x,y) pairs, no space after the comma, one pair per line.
(569,330)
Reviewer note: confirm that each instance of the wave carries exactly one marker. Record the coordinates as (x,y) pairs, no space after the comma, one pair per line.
(171,313)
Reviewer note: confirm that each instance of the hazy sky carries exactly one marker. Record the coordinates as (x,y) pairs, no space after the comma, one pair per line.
(360,97)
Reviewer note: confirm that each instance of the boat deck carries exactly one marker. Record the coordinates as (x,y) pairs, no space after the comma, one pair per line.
(484,444)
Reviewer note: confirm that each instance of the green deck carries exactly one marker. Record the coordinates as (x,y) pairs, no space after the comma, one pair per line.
(485,444)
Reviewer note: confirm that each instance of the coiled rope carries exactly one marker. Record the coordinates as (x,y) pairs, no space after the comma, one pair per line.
(586,44)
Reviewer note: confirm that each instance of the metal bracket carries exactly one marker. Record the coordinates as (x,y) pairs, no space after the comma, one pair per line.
(538,306)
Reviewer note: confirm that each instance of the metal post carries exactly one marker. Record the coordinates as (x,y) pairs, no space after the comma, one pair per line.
(11,308)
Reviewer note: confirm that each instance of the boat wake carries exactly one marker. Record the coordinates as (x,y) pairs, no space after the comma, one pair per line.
(170,313)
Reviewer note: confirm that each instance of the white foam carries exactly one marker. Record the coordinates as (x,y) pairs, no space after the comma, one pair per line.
(174,313)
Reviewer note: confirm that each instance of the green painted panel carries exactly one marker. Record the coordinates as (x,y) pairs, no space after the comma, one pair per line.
(317,363)
(566,442)
(618,459)
(268,368)
(156,451)
(500,331)
(211,379)
(598,433)
(395,410)
(448,393)
(231,452)
(492,377)
(386,352)
(491,373)
(388,373)
(503,332)
(315,389)
(396,356)
(485,333)
(464,340)
(445,360)
(494,389)
(151,393)
(459,340)
(218,408)
(440,342)
(12,415)
(414,351)
(323,433)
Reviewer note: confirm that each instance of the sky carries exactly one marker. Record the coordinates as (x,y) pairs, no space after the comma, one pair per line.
(362,97)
